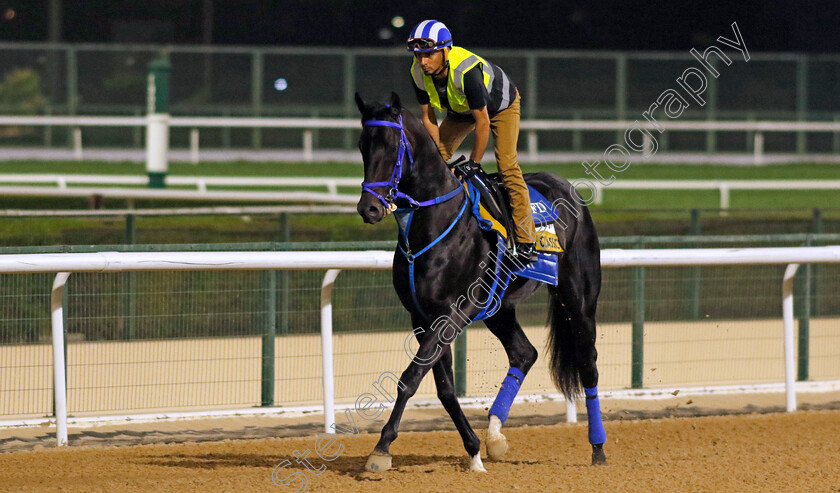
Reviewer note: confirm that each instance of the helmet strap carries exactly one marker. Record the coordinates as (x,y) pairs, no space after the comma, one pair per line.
(445,65)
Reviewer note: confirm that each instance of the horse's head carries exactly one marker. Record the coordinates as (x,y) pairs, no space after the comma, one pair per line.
(386,156)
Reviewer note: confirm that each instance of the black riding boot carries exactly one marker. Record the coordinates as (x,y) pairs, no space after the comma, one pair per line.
(525,253)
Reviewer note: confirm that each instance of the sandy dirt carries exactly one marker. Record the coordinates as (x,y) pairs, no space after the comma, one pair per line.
(747,452)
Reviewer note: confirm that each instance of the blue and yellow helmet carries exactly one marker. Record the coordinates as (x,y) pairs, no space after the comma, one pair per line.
(429,35)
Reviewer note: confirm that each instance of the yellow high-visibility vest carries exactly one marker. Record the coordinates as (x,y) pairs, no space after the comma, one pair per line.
(460,61)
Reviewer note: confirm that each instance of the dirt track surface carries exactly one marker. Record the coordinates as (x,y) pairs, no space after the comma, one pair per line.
(767,452)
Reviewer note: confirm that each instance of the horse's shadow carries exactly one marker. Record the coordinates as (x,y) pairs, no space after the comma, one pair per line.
(351,466)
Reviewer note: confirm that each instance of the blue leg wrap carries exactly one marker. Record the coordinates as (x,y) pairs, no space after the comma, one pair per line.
(597,435)
(510,387)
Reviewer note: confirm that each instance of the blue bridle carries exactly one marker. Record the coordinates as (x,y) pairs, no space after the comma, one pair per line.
(393,192)
(405,215)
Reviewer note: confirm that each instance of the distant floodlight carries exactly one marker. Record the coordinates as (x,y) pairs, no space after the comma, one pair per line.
(9,14)
(398,21)
(386,33)
(281,84)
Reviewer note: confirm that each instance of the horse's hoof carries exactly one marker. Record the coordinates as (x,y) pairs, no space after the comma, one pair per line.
(599,458)
(475,463)
(497,447)
(378,462)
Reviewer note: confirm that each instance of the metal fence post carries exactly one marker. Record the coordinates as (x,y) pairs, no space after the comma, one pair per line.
(620,92)
(711,109)
(531,84)
(283,278)
(787,316)
(268,340)
(818,227)
(804,322)
(327,348)
(58,310)
(72,83)
(461,364)
(349,95)
(638,338)
(157,124)
(835,138)
(801,101)
(131,280)
(696,276)
(256,94)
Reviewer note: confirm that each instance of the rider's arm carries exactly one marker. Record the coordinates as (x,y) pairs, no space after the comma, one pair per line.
(477,100)
(427,114)
(482,133)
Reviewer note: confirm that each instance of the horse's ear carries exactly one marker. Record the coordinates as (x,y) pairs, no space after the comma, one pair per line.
(396,106)
(360,103)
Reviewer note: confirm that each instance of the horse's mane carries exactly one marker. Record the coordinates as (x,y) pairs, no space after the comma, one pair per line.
(424,146)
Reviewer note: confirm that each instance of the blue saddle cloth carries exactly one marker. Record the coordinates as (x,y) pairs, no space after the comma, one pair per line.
(545,215)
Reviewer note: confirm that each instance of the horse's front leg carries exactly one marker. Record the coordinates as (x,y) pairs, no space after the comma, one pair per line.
(445,383)
(430,351)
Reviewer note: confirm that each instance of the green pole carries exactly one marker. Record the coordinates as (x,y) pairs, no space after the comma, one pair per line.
(818,228)
(638,336)
(131,279)
(256,95)
(349,72)
(269,338)
(804,323)
(72,88)
(835,137)
(711,110)
(531,81)
(801,101)
(696,277)
(461,364)
(283,277)
(157,125)
(620,92)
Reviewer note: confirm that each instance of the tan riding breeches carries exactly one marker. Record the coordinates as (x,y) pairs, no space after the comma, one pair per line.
(505,127)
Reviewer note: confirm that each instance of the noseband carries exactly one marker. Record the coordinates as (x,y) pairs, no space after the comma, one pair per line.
(393,185)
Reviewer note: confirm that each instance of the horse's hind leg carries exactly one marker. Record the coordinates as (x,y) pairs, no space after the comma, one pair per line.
(576,320)
(521,356)
(445,383)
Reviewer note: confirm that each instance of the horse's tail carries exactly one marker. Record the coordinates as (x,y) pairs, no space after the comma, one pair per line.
(563,364)
(572,306)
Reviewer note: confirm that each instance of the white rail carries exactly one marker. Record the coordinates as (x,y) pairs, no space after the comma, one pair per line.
(176,194)
(355,123)
(309,124)
(61,181)
(183,211)
(64,264)
(724,187)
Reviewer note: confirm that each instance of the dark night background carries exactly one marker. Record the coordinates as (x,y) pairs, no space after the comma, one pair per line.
(799,26)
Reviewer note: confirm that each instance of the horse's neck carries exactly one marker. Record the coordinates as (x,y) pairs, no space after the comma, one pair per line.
(431,178)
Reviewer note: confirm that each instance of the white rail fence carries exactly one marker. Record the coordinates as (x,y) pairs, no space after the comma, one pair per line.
(307,125)
(65,264)
(61,182)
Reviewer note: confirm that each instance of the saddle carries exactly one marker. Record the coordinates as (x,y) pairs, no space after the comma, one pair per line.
(496,213)
(494,195)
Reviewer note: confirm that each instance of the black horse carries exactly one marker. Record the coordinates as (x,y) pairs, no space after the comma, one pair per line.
(444,255)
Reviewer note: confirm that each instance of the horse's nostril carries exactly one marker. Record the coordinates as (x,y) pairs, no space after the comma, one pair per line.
(372,209)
